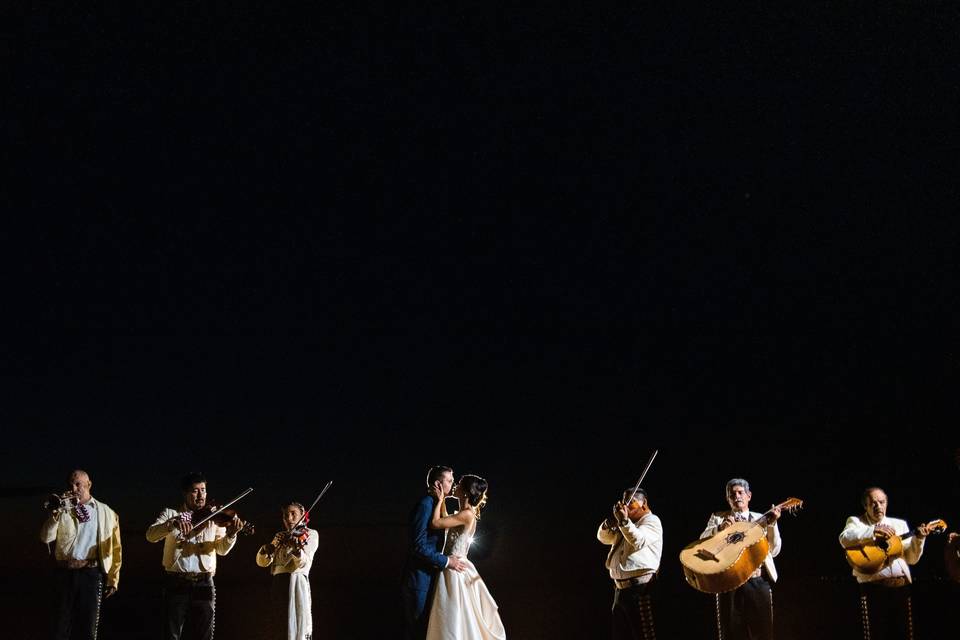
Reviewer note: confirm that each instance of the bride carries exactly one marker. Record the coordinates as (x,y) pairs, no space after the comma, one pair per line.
(463,608)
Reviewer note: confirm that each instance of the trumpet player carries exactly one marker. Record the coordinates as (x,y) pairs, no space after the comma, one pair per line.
(88,556)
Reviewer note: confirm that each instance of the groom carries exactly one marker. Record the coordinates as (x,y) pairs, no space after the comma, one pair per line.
(424,558)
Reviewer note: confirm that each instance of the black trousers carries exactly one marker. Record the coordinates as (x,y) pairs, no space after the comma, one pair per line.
(189,607)
(746,613)
(886,612)
(633,612)
(416,613)
(77,594)
(279,604)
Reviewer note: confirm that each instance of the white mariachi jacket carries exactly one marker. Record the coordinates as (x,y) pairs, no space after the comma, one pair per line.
(640,551)
(858,531)
(109,553)
(196,555)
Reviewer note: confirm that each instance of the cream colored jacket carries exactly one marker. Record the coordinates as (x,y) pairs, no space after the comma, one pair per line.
(282,561)
(640,551)
(63,529)
(859,530)
(213,541)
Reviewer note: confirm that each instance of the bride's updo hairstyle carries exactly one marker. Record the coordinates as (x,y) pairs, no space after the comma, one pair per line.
(475,490)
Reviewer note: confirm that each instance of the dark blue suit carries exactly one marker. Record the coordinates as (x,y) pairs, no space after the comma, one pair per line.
(424,562)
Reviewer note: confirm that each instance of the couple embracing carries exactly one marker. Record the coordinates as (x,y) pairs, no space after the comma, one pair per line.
(443,595)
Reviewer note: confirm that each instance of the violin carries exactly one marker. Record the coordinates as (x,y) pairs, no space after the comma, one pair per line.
(612,523)
(212,512)
(611,520)
(294,540)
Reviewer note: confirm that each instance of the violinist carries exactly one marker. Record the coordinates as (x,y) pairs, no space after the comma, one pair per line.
(290,556)
(190,561)
(635,537)
(88,555)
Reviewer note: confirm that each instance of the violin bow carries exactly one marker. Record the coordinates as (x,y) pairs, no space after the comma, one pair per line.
(214,512)
(300,521)
(643,475)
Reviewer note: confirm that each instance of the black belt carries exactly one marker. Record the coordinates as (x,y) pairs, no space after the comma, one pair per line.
(189,577)
(899,581)
(632,582)
(78,564)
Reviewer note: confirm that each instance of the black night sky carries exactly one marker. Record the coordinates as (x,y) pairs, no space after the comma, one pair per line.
(289,244)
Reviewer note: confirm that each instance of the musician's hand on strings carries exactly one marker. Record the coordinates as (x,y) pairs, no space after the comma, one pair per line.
(234,526)
(726,522)
(922,531)
(180,523)
(883,532)
(271,547)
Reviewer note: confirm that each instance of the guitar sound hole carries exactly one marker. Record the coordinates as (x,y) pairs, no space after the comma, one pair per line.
(734,538)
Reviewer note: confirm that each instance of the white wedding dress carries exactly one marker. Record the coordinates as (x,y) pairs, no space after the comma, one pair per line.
(462,607)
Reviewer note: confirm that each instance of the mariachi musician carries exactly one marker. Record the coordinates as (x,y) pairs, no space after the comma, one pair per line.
(289,556)
(190,560)
(746,613)
(885,607)
(88,555)
(951,555)
(635,537)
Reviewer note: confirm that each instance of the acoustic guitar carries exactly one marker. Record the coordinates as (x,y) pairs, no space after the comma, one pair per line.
(728,558)
(873,556)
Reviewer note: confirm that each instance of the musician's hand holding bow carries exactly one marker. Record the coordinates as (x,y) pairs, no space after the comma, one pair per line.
(181,523)
(620,513)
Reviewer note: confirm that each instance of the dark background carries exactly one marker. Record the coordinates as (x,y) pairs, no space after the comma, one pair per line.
(288,244)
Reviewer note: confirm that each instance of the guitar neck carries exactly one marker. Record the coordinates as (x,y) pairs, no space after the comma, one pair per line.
(908,534)
(763,520)
(764,517)
(935,526)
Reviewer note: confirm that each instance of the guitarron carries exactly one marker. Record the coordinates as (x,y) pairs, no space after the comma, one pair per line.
(873,556)
(727,559)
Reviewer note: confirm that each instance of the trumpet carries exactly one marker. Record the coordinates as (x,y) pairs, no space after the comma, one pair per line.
(61,502)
